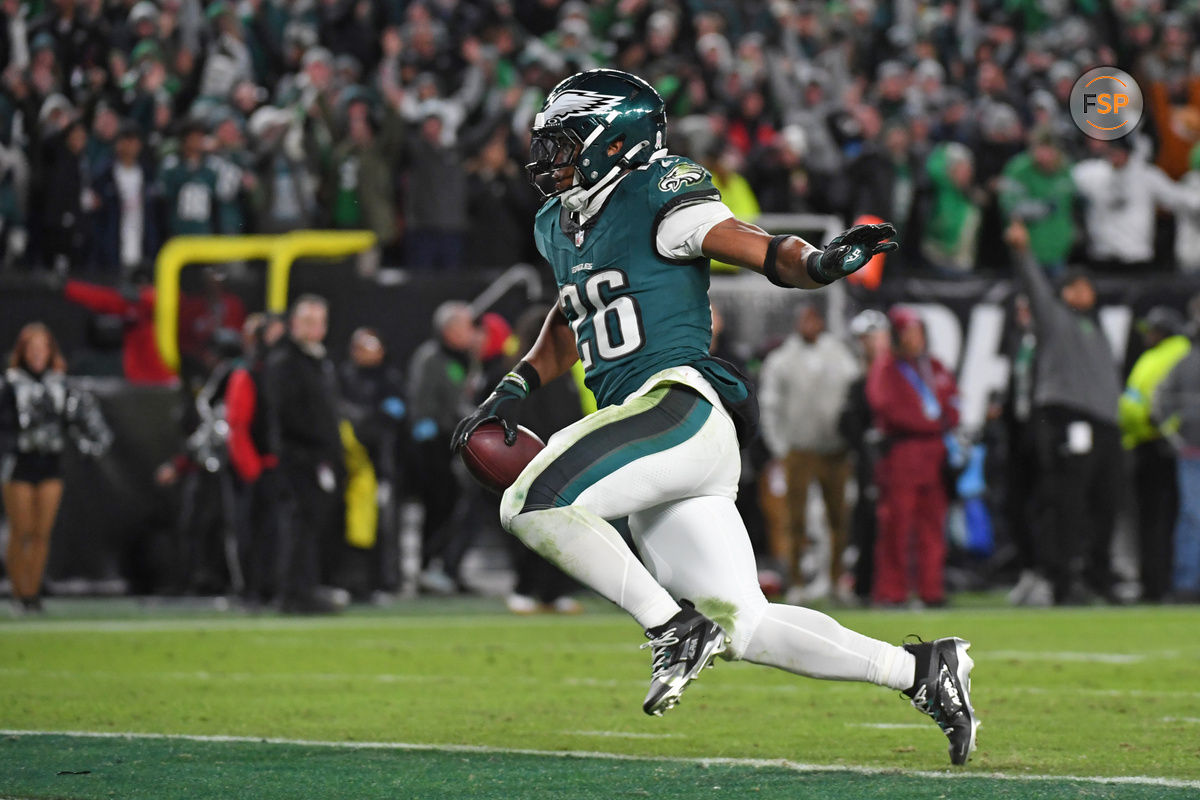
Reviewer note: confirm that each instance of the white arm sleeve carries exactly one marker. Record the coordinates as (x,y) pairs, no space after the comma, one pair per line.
(681,232)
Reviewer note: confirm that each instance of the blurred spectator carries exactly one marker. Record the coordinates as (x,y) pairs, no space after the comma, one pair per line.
(1154,466)
(143,364)
(126,219)
(72,35)
(362,179)
(1020,481)
(914,402)
(1001,139)
(286,197)
(781,176)
(435,199)
(1176,406)
(952,227)
(202,315)
(372,393)
(206,530)
(1038,191)
(1172,92)
(1187,235)
(188,184)
(253,463)
(726,164)
(857,427)
(303,430)
(106,124)
(803,393)
(14,188)
(65,174)
(442,381)
(234,165)
(883,180)
(500,207)
(1076,390)
(750,125)
(1121,192)
(228,58)
(39,415)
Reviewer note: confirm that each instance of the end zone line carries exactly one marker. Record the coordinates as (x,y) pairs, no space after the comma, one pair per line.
(759,763)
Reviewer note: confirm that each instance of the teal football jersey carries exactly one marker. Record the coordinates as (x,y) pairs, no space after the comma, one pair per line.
(633,311)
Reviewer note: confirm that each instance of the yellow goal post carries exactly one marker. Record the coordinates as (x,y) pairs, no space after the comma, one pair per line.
(279,251)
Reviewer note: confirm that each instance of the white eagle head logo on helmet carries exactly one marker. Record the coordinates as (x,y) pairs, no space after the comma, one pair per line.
(576,103)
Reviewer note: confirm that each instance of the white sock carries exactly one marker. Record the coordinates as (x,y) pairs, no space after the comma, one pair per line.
(590,550)
(810,643)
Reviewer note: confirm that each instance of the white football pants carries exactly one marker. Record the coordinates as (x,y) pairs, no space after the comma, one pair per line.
(667,458)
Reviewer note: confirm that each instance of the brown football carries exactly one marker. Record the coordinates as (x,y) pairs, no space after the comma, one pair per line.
(493,463)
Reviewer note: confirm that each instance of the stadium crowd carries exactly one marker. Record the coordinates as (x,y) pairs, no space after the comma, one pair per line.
(410,118)
(125,123)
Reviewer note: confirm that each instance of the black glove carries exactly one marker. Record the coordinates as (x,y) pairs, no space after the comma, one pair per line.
(850,251)
(500,405)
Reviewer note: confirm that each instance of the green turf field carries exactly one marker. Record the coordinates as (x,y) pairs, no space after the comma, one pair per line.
(437,699)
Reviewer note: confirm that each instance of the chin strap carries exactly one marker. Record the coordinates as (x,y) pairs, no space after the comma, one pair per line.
(576,198)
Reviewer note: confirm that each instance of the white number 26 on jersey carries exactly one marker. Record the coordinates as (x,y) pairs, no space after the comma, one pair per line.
(616,322)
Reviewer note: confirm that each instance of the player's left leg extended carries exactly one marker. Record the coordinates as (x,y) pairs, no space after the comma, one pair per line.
(698,548)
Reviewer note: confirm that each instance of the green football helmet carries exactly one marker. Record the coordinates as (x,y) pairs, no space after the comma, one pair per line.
(583,116)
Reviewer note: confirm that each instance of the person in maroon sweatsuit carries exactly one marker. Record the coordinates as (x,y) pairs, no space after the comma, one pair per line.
(915,403)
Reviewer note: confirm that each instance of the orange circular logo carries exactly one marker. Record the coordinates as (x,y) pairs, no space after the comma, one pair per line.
(1106,103)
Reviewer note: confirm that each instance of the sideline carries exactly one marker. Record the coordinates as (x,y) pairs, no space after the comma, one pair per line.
(757,763)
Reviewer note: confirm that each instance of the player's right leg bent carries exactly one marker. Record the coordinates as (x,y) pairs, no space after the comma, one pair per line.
(607,466)
(654,447)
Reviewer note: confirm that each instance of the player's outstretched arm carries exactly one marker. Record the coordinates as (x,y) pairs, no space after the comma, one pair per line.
(792,262)
(551,355)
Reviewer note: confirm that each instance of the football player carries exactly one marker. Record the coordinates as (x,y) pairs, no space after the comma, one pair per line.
(629,231)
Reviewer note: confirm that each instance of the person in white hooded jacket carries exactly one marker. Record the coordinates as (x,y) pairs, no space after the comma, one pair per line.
(803,387)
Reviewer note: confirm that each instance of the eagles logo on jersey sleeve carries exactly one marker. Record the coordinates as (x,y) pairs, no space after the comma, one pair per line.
(683,174)
(677,182)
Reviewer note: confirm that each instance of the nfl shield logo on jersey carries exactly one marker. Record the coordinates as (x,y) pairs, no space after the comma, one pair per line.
(579,238)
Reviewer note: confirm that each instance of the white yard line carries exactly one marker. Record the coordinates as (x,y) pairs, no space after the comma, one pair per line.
(888,726)
(623,734)
(1087,658)
(794,766)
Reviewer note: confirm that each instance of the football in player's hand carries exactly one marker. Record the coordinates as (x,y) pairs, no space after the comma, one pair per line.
(495,464)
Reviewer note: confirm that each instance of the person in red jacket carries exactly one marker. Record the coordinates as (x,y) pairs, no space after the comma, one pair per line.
(252,462)
(143,365)
(914,401)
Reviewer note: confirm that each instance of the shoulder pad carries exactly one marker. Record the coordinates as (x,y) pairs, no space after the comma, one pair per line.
(674,175)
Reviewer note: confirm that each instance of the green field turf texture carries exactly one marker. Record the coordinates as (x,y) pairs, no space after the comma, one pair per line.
(1083,692)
